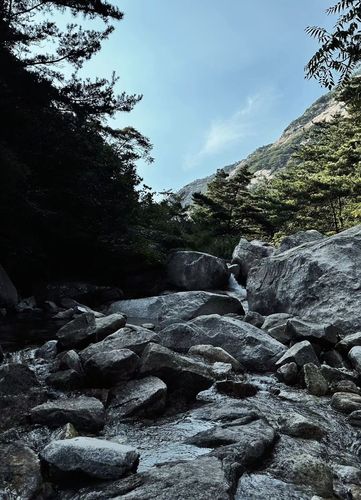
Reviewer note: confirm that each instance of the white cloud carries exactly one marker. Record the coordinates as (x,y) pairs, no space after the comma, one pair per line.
(223,133)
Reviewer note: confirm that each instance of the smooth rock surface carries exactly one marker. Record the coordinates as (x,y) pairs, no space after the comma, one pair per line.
(214,355)
(319,281)
(174,307)
(86,414)
(300,353)
(96,458)
(248,254)
(108,325)
(188,270)
(252,347)
(144,397)
(355,357)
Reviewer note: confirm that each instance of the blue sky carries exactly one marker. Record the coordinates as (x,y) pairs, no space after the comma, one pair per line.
(219,79)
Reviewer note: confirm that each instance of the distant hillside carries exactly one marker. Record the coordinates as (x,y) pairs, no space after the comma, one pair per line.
(267,160)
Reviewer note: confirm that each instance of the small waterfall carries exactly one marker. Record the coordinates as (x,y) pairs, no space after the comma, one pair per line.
(238,291)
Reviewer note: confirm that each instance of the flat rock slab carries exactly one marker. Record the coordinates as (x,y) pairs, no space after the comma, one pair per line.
(144,397)
(180,373)
(131,337)
(86,414)
(174,307)
(251,346)
(92,457)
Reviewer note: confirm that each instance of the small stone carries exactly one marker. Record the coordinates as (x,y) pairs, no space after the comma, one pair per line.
(288,373)
(254,318)
(214,354)
(148,326)
(316,384)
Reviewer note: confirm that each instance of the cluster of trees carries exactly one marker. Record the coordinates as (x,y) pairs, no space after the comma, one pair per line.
(320,188)
(72,205)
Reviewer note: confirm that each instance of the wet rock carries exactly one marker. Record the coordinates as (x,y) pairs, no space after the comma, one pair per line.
(92,457)
(349,342)
(68,431)
(252,347)
(235,270)
(275,319)
(301,427)
(260,486)
(149,326)
(68,360)
(180,373)
(254,318)
(66,380)
(315,382)
(108,325)
(345,386)
(299,238)
(20,473)
(131,337)
(333,358)
(355,418)
(346,402)
(336,374)
(304,469)
(248,254)
(8,292)
(77,333)
(221,371)
(48,351)
(319,281)
(288,373)
(236,389)
(86,414)
(355,358)
(111,367)
(144,397)
(300,353)
(17,379)
(188,270)
(299,329)
(201,479)
(214,354)
(175,307)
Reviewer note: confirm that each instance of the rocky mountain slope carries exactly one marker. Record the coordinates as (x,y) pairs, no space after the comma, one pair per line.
(267,160)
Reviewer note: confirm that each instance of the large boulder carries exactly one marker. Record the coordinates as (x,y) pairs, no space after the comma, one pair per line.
(96,458)
(297,239)
(8,293)
(182,306)
(248,254)
(86,414)
(181,373)
(251,346)
(144,397)
(131,337)
(111,367)
(77,333)
(300,353)
(318,281)
(197,271)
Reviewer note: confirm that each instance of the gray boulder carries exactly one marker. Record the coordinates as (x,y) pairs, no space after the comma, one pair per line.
(181,373)
(297,239)
(288,373)
(349,342)
(77,333)
(346,402)
(17,379)
(299,329)
(108,325)
(143,398)
(66,379)
(197,271)
(299,426)
(111,367)
(20,474)
(86,414)
(354,418)
(252,347)
(248,254)
(319,281)
(8,294)
(131,337)
(300,353)
(314,380)
(92,457)
(174,307)
(254,318)
(355,357)
(276,326)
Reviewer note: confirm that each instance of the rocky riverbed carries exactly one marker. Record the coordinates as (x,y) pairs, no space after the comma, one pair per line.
(190,395)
